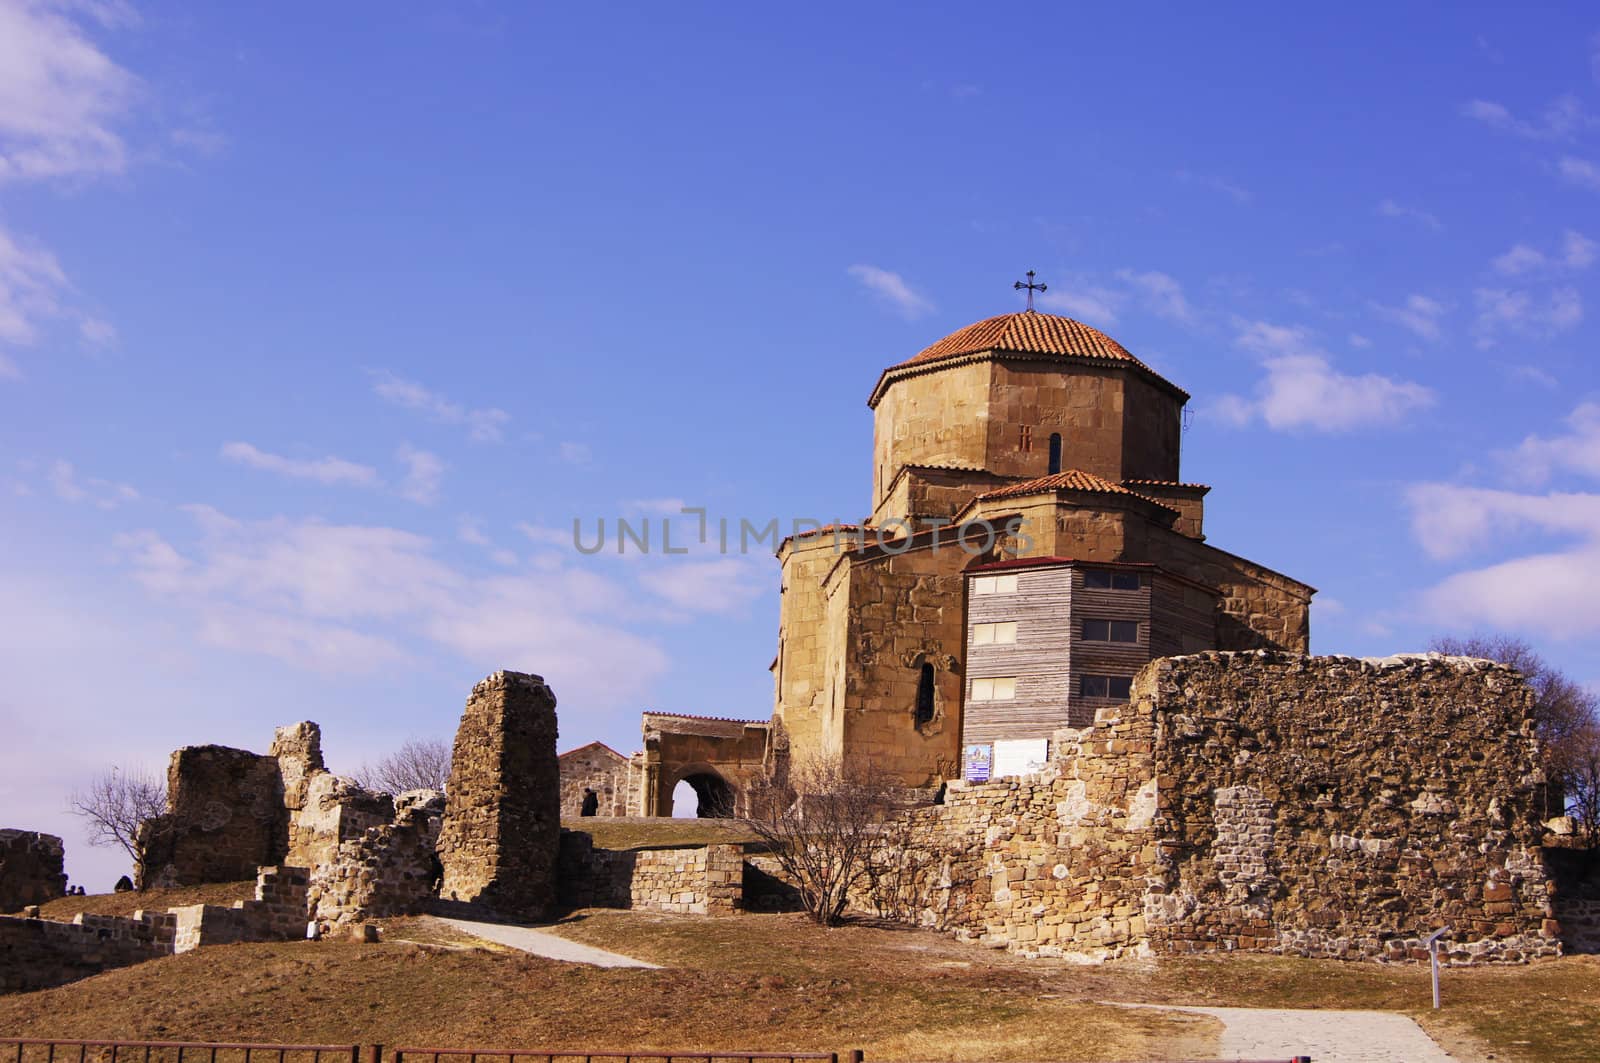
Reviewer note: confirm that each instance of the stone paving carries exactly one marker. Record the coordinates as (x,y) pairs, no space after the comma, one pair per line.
(543,943)
(1325,1036)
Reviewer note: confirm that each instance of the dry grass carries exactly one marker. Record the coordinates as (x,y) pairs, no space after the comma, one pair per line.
(225,893)
(914,1003)
(651,832)
(1538,1012)
(780,982)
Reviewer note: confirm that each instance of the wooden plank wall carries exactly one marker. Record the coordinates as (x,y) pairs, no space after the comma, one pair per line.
(1039,658)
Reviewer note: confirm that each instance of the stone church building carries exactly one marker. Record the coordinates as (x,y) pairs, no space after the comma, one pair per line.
(1032,543)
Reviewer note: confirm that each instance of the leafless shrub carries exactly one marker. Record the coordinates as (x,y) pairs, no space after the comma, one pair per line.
(1583,783)
(900,873)
(1566,713)
(822,825)
(419,764)
(115,802)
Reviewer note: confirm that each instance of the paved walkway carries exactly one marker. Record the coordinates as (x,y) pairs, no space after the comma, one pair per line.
(543,943)
(1325,1036)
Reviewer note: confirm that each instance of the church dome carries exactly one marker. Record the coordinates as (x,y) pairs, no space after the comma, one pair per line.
(1028,334)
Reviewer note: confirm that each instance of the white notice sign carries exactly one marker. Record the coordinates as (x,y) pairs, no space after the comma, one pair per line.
(1019,756)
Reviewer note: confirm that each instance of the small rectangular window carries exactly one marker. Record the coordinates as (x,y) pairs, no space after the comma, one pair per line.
(994,585)
(1103,579)
(1025,438)
(1111,631)
(1105,686)
(994,689)
(994,634)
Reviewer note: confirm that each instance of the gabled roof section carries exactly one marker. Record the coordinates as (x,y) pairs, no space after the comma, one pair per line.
(592,745)
(1029,334)
(1074,480)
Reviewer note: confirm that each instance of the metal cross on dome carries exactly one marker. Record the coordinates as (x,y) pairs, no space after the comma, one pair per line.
(1031,288)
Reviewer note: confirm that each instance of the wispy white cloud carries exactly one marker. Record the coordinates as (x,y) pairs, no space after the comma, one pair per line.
(1502,310)
(1577,251)
(1583,172)
(60,95)
(1418,314)
(97,333)
(329,470)
(31,286)
(1301,388)
(892,289)
(1161,293)
(354,598)
(575,453)
(722,585)
(1576,450)
(1563,118)
(1388,208)
(1234,191)
(1088,302)
(1550,591)
(68,486)
(484,425)
(424,472)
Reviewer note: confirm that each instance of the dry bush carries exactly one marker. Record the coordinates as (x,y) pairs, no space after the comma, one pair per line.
(822,825)
(419,764)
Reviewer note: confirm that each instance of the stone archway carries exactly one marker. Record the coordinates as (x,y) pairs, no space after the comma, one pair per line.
(715,797)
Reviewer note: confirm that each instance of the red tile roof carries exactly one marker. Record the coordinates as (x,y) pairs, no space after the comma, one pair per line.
(1028,333)
(1031,332)
(713,719)
(1166,483)
(1069,480)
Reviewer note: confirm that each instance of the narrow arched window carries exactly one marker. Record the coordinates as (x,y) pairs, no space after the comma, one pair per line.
(1055,453)
(925,695)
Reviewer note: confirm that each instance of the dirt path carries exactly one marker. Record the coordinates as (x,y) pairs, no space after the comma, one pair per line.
(1325,1036)
(543,943)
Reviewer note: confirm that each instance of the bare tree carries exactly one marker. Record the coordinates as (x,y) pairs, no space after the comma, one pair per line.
(1566,713)
(1583,783)
(419,764)
(114,804)
(822,825)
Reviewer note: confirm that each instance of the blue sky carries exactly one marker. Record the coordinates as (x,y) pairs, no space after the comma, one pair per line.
(320,324)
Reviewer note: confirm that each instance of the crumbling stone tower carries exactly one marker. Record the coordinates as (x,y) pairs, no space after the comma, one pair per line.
(502,823)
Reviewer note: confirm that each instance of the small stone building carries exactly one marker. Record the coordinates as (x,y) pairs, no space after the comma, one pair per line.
(594,782)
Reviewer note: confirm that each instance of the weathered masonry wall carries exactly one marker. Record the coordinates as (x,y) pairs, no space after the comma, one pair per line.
(706,880)
(391,868)
(1322,806)
(502,823)
(38,953)
(30,868)
(278,913)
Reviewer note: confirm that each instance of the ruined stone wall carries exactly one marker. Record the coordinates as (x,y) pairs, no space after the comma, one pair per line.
(705,880)
(225,817)
(598,768)
(277,913)
(332,811)
(40,953)
(502,823)
(389,869)
(30,868)
(1322,806)
(719,758)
